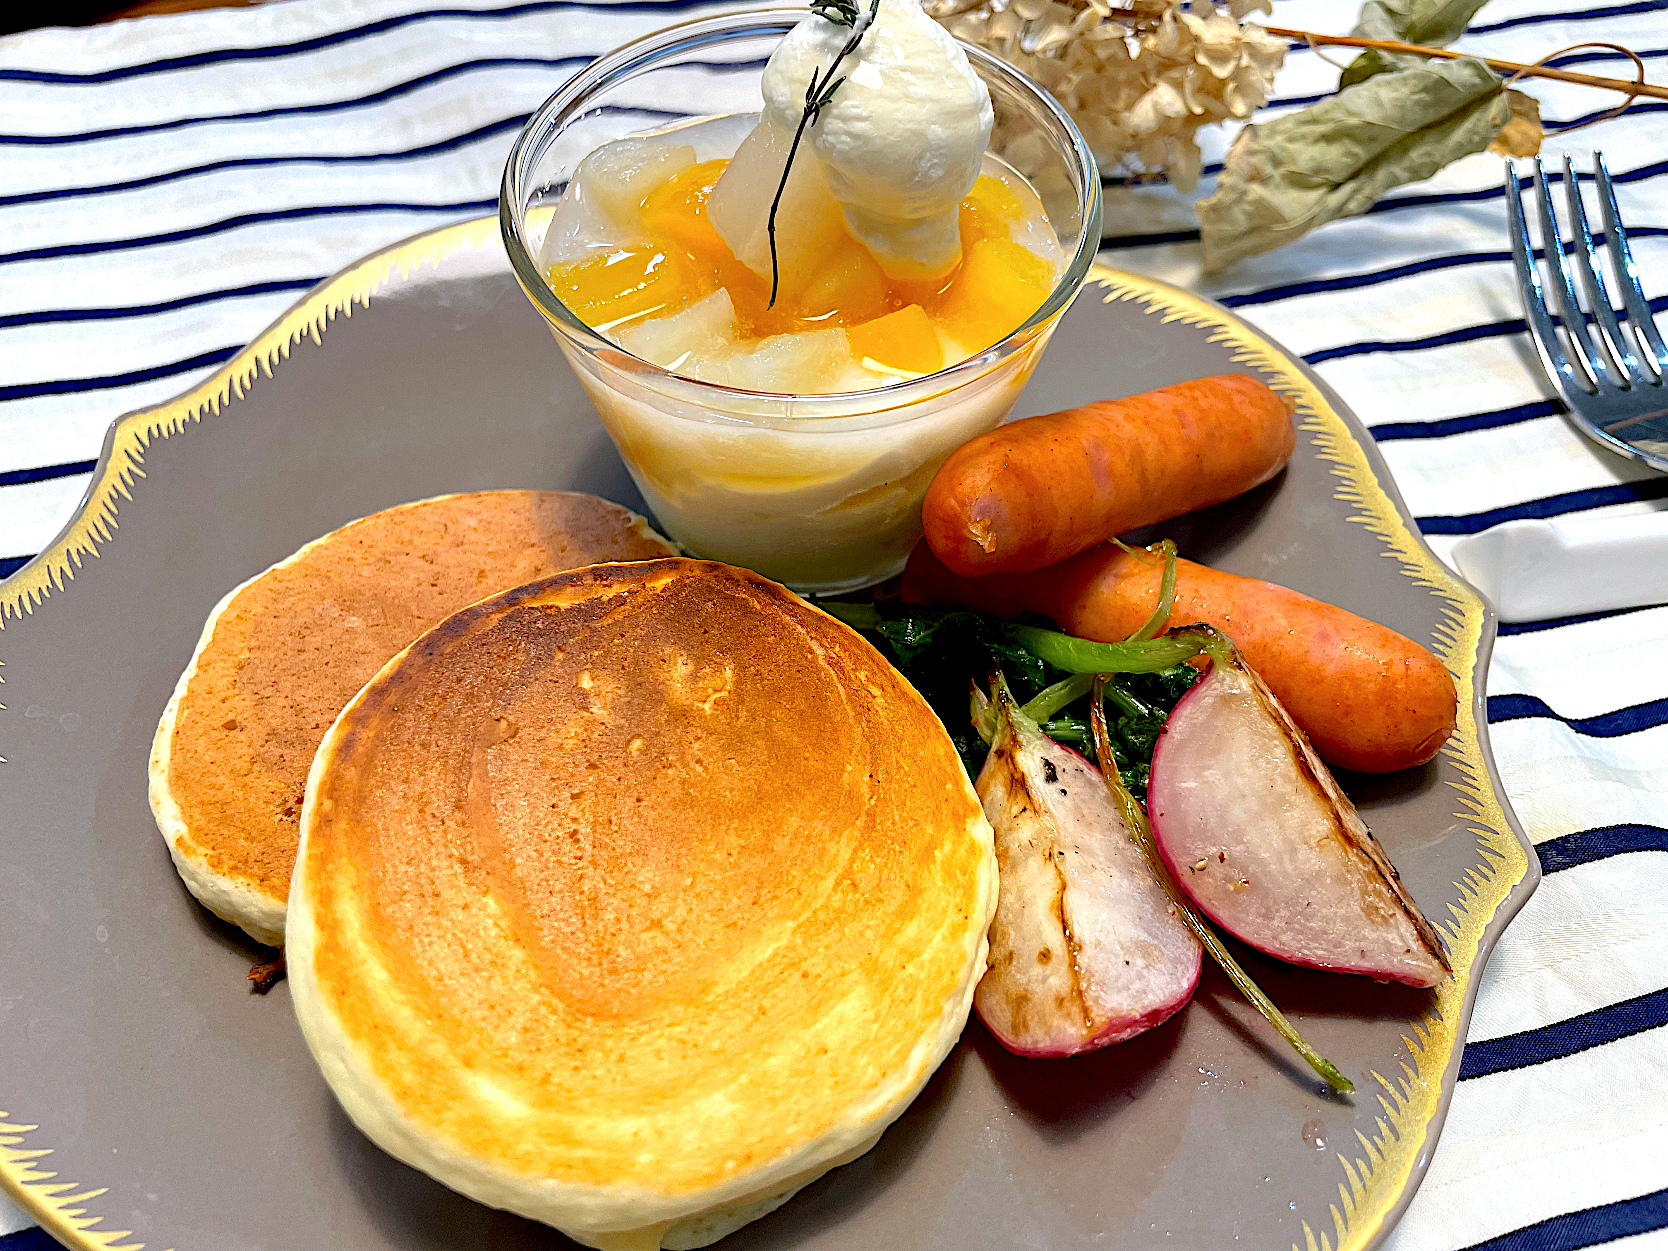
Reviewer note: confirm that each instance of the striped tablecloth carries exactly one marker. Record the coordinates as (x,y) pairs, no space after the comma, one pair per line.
(169,185)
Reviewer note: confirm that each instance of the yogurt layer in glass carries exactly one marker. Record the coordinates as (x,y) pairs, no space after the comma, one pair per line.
(795,438)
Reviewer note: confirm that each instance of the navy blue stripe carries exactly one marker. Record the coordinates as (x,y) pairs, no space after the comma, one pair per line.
(486,131)
(376,97)
(272,51)
(166,306)
(1392,430)
(1465,334)
(1586,1228)
(1587,58)
(1297,102)
(1565,1038)
(1113,243)
(1556,623)
(1578,15)
(1586,846)
(34,1238)
(1390,203)
(68,386)
(1628,720)
(1153,180)
(1553,125)
(235,223)
(248,162)
(1549,506)
(45,473)
(1351,282)
(1638,174)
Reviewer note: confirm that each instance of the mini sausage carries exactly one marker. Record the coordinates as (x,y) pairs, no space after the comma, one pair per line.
(1369,699)
(1041,489)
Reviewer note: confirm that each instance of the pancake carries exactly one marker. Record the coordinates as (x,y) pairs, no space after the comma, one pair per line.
(635,899)
(283,652)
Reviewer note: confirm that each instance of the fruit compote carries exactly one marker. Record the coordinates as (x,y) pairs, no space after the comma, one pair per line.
(811,470)
(638,255)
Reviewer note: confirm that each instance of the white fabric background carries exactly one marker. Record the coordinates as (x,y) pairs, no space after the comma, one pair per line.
(168,186)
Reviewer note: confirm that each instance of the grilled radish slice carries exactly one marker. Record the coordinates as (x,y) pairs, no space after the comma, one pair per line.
(1258,834)
(1085,949)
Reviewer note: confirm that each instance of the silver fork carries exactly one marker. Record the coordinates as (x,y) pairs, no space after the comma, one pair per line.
(1617,397)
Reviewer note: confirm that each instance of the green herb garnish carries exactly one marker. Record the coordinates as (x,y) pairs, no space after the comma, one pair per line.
(819,92)
(943,652)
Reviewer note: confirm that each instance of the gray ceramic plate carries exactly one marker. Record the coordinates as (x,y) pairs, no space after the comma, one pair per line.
(176,1105)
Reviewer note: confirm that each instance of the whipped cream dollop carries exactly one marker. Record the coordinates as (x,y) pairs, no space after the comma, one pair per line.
(903,140)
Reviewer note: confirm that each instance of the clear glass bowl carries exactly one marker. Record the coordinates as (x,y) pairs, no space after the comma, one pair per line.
(821,492)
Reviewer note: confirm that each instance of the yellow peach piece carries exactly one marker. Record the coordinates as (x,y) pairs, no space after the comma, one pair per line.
(850,287)
(676,211)
(905,340)
(1000,284)
(990,211)
(998,198)
(627,283)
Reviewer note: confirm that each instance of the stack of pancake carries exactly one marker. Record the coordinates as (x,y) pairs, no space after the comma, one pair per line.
(632,899)
(284,651)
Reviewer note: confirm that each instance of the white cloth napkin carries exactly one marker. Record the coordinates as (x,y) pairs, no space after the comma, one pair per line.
(169,185)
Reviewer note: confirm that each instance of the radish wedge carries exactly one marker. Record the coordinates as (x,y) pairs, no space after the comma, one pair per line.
(1257,833)
(1085,949)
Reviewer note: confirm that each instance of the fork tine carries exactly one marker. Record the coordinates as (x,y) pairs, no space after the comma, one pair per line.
(1575,321)
(1621,359)
(1627,276)
(1541,329)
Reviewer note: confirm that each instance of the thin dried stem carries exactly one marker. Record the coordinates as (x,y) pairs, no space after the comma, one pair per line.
(1636,88)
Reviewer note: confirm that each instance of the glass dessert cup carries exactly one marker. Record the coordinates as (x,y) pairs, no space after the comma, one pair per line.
(820,492)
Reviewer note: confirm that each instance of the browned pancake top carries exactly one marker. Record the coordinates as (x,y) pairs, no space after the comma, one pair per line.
(295,644)
(675,865)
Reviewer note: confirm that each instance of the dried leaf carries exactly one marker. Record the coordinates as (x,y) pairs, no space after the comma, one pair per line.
(1523,134)
(1436,23)
(1335,158)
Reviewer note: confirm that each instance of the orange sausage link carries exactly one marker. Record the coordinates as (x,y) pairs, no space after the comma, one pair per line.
(1369,699)
(1036,491)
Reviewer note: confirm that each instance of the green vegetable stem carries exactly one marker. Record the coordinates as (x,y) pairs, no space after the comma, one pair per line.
(945,652)
(1166,591)
(1136,818)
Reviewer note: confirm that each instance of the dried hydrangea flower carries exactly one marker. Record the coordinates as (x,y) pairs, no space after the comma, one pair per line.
(1139,80)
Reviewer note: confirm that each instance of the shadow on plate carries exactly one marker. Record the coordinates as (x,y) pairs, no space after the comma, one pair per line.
(417,1211)
(224,934)
(1378,790)
(1064,1099)
(1314,1000)
(835,1197)
(1207,535)
(1316,993)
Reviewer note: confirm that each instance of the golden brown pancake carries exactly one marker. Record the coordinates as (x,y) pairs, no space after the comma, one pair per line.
(282,653)
(635,899)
